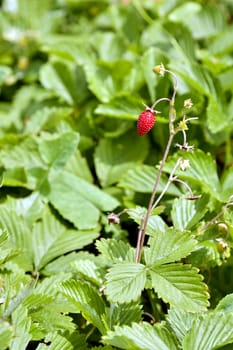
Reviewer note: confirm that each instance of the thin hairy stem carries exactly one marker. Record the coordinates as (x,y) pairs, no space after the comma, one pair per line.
(139,242)
(170,180)
(160,100)
(175,87)
(185,137)
(185,185)
(142,229)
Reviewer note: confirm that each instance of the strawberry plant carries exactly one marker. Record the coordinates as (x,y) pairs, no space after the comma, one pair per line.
(116,219)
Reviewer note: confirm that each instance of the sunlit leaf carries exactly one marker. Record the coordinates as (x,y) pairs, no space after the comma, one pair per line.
(115,251)
(66,80)
(169,246)
(142,179)
(123,314)
(78,165)
(209,332)
(125,282)
(181,286)
(180,321)
(79,201)
(46,118)
(202,171)
(185,214)
(206,20)
(18,232)
(121,108)
(21,325)
(87,301)
(51,239)
(6,333)
(154,337)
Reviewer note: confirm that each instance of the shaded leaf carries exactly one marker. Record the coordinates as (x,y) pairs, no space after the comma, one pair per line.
(113,158)
(225,304)
(56,151)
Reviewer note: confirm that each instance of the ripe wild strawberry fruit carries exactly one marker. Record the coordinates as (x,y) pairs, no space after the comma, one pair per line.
(146,121)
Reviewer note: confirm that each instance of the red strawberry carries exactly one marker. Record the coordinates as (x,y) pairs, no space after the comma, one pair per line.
(146,121)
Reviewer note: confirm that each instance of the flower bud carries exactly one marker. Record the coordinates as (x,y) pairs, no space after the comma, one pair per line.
(159,70)
(113,218)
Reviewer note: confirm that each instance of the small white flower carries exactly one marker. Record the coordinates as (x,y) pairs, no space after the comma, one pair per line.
(188,103)
(184,164)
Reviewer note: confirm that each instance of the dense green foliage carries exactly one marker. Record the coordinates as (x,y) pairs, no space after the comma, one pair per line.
(74,75)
